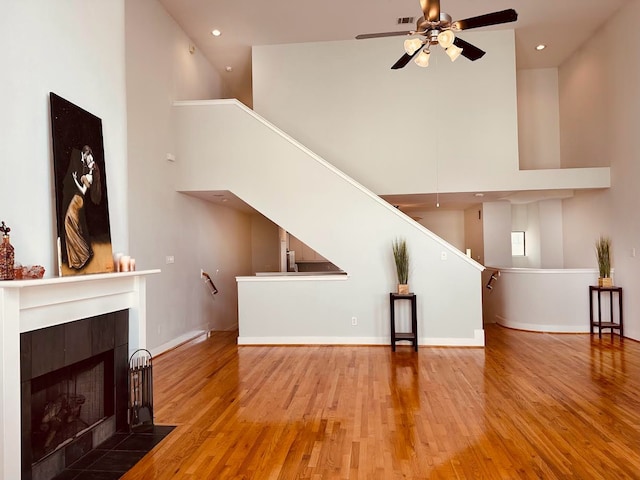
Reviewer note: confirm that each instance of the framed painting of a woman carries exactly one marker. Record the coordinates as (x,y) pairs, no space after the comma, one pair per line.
(84,235)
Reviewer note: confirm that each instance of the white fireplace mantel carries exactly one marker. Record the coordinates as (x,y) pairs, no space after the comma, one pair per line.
(27,305)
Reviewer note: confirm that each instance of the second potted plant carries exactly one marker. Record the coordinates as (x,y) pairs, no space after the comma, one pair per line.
(401,258)
(603,254)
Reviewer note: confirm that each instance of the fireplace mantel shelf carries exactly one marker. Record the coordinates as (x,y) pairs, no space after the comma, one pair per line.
(73,279)
(27,305)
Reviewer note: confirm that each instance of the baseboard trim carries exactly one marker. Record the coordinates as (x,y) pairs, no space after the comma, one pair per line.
(176,342)
(535,327)
(477,341)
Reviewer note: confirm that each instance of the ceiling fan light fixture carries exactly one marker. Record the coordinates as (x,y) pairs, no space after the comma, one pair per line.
(422,60)
(454,52)
(412,45)
(446,38)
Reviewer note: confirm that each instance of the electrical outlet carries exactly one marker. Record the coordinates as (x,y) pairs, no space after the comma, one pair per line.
(354,321)
(169,259)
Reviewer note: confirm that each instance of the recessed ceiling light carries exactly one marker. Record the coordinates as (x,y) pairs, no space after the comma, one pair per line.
(479,195)
(229,68)
(541,47)
(216,32)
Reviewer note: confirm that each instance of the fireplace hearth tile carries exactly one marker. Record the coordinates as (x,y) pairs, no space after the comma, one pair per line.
(86,475)
(117,461)
(115,456)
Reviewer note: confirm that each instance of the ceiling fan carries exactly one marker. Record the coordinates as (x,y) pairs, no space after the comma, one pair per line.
(437,28)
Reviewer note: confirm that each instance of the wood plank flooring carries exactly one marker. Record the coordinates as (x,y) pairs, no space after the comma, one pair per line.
(528,406)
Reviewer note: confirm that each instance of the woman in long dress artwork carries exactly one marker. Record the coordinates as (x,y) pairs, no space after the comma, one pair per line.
(77,238)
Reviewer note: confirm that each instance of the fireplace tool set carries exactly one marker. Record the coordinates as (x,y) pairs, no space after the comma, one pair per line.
(140,415)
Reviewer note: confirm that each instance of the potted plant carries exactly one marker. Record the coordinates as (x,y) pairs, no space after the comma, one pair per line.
(401,257)
(603,254)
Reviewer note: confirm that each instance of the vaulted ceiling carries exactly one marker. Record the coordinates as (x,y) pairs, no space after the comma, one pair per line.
(563,25)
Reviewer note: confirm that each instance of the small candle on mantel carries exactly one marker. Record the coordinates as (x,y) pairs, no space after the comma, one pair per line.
(125,263)
(116,261)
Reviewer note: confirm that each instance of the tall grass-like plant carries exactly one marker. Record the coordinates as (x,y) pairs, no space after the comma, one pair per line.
(603,253)
(401,257)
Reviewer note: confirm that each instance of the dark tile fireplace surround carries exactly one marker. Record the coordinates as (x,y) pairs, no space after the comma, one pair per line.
(66,357)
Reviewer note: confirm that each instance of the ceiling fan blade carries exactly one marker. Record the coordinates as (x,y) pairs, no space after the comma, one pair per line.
(469,51)
(404,59)
(364,36)
(495,18)
(431,9)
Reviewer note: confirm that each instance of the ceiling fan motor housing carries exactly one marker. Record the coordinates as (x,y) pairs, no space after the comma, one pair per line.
(423,25)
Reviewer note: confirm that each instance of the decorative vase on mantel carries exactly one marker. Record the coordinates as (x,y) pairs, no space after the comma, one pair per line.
(403,289)
(7,255)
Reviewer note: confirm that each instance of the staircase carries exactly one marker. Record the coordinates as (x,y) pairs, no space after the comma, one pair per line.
(223,145)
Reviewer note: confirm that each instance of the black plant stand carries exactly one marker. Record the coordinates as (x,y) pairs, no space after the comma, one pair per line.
(407,336)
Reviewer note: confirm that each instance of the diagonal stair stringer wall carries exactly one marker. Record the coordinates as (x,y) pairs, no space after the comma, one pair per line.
(223,145)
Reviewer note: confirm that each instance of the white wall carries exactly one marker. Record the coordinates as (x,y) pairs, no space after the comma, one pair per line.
(542,300)
(389,128)
(199,235)
(538,118)
(46,48)
(265,245)
(474,233)
(586,216)
(551,254)
(447,224)
(599,98)
(497,234)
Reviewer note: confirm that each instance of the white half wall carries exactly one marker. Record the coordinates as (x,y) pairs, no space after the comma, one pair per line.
(542,300)
(221,145)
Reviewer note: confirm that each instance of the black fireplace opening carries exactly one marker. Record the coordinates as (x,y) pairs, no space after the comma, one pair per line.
(70,401)
(73,379)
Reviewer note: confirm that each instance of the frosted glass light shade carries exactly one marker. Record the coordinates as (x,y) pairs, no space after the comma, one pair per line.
(454,52)
(422,60)
(411,45)
(446,38)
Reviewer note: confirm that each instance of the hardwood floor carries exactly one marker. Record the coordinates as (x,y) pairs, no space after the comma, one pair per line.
(529,405)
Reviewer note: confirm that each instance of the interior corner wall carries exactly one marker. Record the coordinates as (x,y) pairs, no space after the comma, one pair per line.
(586,217)
(474,233)
(447,224)
(265,244)
(341,100)
(497,234)
(47,47)
(551,244)
(599,98)
(538,118)
(164,223)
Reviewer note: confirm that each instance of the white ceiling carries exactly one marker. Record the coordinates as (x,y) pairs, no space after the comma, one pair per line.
(563,25)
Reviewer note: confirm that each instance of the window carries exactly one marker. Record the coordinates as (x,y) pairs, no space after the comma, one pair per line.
(517,244)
